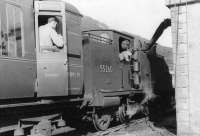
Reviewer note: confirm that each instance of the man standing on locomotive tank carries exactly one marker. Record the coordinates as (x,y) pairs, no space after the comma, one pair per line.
(49,36)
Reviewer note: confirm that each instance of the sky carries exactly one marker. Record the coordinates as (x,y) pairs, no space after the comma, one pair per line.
(140,17)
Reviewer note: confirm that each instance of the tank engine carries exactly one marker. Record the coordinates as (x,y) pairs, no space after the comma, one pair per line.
(86,73)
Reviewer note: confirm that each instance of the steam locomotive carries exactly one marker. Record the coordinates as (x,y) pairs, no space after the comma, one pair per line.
(86,73)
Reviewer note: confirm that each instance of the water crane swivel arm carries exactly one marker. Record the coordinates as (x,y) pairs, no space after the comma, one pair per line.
(163,25)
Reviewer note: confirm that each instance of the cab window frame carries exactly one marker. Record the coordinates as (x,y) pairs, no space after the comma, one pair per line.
(50,14)
(120,40)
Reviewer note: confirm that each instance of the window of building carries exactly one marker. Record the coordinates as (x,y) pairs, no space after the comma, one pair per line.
(15,36)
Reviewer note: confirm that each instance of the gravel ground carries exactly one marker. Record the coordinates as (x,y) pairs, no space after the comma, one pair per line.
(143,129)
(165,127)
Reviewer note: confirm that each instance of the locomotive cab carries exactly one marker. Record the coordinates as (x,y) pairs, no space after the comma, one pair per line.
(107,77)
(111,80)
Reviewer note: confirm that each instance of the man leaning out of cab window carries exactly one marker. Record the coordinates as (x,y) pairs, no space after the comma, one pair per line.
(49,37)
(126,53)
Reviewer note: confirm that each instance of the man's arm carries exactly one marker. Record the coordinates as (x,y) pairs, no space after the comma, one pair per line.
(56,38)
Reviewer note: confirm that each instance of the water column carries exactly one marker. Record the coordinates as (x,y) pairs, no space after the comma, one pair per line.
(185,15)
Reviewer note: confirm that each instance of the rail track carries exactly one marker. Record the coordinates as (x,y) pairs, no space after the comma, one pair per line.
(150,129)
(119,128)
(134,125)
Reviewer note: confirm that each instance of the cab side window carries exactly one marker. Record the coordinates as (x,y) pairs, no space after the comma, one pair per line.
(124,44)
(14,39)
(124,50)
